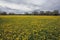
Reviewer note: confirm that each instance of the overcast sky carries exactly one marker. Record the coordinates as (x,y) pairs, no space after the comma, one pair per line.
(20,6)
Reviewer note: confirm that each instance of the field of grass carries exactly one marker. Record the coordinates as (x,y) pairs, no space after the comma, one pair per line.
(29,27)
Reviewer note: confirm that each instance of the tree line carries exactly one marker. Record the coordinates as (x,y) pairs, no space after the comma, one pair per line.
(55,12)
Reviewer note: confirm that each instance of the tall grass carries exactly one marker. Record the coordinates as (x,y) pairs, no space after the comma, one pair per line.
(29,28)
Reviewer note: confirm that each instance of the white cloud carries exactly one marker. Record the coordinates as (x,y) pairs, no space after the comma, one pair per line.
(15,6)
(36,2)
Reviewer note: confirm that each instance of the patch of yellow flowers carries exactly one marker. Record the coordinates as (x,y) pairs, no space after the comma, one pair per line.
(29,28)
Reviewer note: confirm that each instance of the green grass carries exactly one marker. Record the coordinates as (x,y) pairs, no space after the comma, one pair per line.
(29,27)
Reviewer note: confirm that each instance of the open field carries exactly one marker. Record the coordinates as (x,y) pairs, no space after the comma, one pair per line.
(29,27)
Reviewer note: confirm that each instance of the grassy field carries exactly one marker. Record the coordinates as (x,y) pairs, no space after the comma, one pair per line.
(29,27)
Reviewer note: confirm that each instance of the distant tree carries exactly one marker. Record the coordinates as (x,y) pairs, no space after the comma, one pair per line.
(0,13)
(26,13)
(3,13)
(35,13)
(56,12)
(11,13)
(42,13)
(48,13)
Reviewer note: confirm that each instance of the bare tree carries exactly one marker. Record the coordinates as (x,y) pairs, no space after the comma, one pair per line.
(56,12)
(11,13)
(42,13)
(3,13)
(35,13)
(26,13)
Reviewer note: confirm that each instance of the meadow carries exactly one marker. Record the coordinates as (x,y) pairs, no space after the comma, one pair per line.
(29,27)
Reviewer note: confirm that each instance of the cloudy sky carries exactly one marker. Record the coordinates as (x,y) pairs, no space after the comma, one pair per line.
(21,6)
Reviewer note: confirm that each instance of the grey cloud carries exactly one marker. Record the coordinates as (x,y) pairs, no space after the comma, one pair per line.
(48,5)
